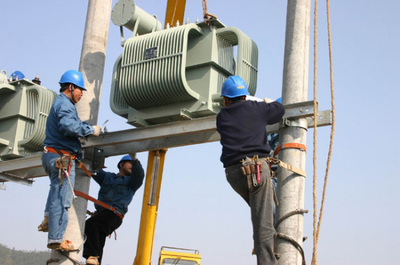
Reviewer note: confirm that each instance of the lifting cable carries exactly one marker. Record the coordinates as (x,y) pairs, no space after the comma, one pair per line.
(207,16)
(316,226)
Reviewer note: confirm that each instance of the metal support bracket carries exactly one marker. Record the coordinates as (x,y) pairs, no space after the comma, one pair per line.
(302,123)
(11,177)
(301,115)
(92,154)
(299,110)
(324,118)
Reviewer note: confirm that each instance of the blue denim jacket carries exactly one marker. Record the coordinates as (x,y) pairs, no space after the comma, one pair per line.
(117,190)
(63,126)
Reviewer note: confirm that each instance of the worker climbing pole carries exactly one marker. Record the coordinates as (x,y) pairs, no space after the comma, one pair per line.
(291,149)
(92,66)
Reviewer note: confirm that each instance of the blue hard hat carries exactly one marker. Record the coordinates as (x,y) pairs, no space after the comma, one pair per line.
(17,75)
(123,159)
(234,87)
(73,77)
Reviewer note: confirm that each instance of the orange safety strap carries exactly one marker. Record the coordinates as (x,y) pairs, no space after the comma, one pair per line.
(58,151)
(290,145)
(102,204)
(82,166)
(73,157)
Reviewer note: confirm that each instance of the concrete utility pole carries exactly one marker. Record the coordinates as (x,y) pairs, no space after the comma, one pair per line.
(91,64)
(294,89)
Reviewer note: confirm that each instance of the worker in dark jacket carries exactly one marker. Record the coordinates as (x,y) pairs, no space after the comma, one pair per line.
(116,190)
(242,126)
(61,146)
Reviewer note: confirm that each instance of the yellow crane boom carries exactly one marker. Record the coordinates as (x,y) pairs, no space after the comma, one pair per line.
(175,12)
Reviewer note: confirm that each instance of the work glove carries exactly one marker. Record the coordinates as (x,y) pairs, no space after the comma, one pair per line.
(97,130)
(268,100)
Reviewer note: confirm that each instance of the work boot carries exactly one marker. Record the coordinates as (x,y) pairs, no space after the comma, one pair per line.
(44,226)
(92,261)
(66,245)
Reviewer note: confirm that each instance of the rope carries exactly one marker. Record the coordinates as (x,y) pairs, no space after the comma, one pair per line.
(318,228)
(314,255)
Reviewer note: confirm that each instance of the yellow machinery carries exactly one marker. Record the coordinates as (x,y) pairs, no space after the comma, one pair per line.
(175,12)
(150,207)
(168,255)
(153,186)
(179,256)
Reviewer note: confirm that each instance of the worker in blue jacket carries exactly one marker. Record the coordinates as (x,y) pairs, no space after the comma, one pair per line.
(62,145)
(242,126)
(117,191)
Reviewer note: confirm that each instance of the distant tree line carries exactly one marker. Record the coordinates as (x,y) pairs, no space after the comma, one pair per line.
(10,256)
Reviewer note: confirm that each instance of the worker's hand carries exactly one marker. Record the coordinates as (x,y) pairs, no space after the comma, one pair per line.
(133,155)
(268,100)
(253,98)
(97,130)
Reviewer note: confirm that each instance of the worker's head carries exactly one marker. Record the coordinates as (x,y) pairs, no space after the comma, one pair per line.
(72,84)
(234,88)
(125,165)
(17,75)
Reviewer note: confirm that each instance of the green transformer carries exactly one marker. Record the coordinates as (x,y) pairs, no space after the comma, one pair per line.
(24,107)
(177,73)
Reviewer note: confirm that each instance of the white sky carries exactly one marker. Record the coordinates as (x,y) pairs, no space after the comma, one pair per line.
(198,209)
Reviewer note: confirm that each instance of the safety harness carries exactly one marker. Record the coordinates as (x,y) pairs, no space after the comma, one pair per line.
(302,147)
(102,204)
(64,164)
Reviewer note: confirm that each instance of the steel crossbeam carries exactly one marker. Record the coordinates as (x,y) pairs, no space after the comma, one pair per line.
(176,134)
